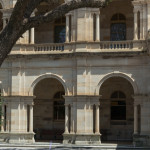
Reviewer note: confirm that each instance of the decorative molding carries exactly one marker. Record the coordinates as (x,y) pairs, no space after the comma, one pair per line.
(117,74)
(44,76)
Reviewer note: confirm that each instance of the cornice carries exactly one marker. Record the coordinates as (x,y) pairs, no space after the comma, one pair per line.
(78,54)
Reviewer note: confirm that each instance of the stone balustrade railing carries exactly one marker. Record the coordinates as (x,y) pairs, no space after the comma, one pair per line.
(116,45)
(49,47)
(103,46)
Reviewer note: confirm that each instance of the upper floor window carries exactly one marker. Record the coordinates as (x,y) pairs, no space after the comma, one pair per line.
(59,108)
(60,30)
(118,27)
(118,106)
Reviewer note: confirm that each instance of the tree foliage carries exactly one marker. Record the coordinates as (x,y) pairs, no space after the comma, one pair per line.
(22,19)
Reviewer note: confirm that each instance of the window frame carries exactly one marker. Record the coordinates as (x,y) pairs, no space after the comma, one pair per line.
(118,21)
(59,24)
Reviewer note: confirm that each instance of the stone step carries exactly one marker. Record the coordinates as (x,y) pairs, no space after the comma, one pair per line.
(59,146)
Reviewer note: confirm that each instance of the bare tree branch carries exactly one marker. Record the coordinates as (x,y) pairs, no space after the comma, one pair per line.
(21,19)
(63,9)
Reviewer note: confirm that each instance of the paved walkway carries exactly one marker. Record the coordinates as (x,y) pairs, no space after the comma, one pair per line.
(59,146)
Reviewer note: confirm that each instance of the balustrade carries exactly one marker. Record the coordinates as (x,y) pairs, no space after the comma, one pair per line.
(134,45)
(49,47)
(116,45)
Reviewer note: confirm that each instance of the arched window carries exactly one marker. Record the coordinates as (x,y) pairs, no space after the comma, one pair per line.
(118,106)
(118,27)
(59,108)
(60,30)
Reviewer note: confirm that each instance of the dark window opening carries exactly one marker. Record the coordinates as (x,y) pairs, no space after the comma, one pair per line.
(118,106)
(118,27)
(59,108)
(60,30)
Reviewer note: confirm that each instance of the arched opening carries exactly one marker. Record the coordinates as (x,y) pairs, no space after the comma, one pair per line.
(117,110)
(118,27)
(49,110)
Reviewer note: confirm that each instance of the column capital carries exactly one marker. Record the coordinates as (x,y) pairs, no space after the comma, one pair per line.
(97,104)
(68,14)
(140,98)
(97,13)
(135,11)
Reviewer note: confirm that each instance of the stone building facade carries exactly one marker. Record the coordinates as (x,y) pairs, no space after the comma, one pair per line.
(83,79)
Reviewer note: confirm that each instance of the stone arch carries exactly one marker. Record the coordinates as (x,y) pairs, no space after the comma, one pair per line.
(44,76)
(117,74)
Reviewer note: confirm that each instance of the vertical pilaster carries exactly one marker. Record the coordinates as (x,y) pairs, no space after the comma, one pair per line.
(144,20)
(141,23)
(2,118)
(135,26)
(66,119)
(4,22)
(73,25)
(135,118)
(67,28)
(72,119)
(97,120)
(97,27)
(32,36)
(31,118)
(148,14)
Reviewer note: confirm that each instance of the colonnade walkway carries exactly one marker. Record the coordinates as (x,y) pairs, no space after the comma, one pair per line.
(60,146)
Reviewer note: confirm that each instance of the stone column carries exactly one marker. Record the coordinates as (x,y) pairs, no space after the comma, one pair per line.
(31,119)
(135,119)
(4,22)
(73,25)
(16,119)
(98,27)
(148,14)
(97,120)
(144,21)
(135,26)
(72,118)
(25,116)
(2,118)
(67,28)
(32,36)
(66,119)
(141,23)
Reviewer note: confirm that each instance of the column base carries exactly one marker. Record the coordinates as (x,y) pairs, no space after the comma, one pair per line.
(82,139)
(141,140)
(17,137)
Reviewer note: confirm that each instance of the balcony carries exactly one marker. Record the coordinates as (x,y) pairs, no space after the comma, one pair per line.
(91,47)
